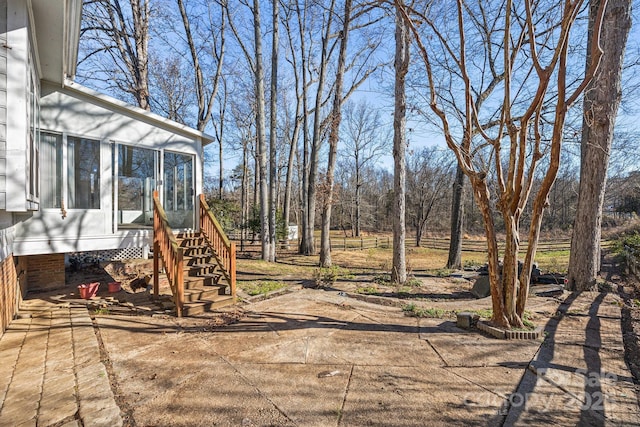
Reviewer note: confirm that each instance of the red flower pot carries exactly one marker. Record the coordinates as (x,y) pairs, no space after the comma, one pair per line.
(88,290)
(114,287)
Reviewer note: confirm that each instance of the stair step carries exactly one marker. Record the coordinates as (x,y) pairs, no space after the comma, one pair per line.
(201,306)
(201,270)
(187,234)
(196,250)
(204,293)
(197,259)
(191,282)
(190,239)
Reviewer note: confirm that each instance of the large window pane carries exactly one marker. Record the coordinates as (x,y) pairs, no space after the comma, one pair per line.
(178,189)
(136,182)
(51,161)
(83,160)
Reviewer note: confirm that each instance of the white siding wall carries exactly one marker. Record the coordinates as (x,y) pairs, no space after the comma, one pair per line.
(3,102)
(17,102)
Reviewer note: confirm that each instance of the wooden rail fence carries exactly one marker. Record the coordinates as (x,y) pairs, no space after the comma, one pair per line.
(349,244)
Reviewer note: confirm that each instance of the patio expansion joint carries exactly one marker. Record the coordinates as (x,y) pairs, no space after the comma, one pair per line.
(13,369)
(256,388)
(346,393)
(500,395)
(44,372)
(120,402)
(446,365)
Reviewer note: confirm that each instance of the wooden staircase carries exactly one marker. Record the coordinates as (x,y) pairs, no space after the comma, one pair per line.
(206,284)
(200,266)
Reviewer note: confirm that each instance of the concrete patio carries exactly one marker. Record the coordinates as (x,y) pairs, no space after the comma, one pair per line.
(313,358)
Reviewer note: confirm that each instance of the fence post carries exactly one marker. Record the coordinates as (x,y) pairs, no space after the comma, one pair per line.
(361,243)
(345,244)
(376,242)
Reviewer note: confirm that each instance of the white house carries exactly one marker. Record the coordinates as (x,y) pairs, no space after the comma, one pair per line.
(77,168)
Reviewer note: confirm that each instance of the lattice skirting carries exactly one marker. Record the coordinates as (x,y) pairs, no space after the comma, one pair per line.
(94,257)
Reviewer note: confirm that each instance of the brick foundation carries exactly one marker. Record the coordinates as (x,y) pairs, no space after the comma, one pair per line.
(11,292)
(45,272)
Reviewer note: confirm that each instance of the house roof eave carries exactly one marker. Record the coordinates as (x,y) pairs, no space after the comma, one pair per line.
(136,112)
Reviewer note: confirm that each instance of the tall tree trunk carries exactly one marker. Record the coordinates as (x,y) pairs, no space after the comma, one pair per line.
(600,107)
(256,192)
(140,12)
(261,144)
(358,201)
(273,167)
(295,136)
(457,214)
(220,169)
(244,193)
(286,214)
(334,133)
(306,234)
(205,101)
(399,266)
(220,136)
(308,242)
(418,225)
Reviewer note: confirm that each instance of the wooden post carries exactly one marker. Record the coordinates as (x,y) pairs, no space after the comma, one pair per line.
(179,266)
(362,243)
(376,242)
(232,270)
(156,265)
(345,243)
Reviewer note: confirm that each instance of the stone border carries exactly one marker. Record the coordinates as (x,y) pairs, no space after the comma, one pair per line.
(261,297)
(509,334)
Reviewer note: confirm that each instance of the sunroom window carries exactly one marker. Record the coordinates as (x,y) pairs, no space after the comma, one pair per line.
(83,172)
(51,160)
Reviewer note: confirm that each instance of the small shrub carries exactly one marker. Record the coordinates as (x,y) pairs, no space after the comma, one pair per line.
(415,311)
(483,313)
(442,272)
(367,290)
(382,279)
(628,248)
(413,282)
(471,265)
(327,276)
(262,287)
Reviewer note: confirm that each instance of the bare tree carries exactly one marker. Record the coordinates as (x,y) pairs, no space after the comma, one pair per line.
(293,58)
(529,45)
(600,105)
(218,123)
(428,177)
(454,259)
(307,242)
(255,62)
(334,130)
(114,48)
(170,93)
(401,64)
(273,125)
(365,141)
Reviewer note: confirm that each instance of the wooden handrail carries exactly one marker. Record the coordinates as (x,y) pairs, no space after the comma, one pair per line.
(166,246)
(223,248)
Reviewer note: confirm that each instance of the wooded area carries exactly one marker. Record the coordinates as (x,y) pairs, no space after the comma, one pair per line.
(426,116)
